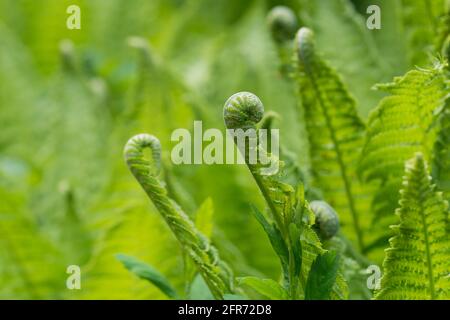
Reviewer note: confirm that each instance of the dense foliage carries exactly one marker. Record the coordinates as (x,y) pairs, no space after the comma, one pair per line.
(86,177)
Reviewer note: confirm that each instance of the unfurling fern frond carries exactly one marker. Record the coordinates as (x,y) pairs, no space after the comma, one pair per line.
(215,272)
(421,21)
(441,156)
(446,48)
(336,136)
(401,125)
(283,24)
(417,264)
(291,236)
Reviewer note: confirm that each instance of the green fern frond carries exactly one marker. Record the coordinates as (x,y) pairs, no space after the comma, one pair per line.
(443,29)
(336,135)
(128,227)
(215,273)
(421,20)
(243,111)
(402,123)
(441,155)
(417,264)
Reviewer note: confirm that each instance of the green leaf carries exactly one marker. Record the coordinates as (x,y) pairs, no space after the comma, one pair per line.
(417,264)
(335,133)
(266,287)
(147,272)
(204,218)
(294,235)
(234,297)
(275,237)
(322,277)
(421,19)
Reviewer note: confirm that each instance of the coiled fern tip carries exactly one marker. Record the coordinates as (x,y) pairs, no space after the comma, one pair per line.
(135,146)
(243,110)
(283,23)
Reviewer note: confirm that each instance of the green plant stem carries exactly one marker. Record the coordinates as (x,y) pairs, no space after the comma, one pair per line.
(343,170)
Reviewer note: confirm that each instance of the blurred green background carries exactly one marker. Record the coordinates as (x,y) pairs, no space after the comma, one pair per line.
(70,99)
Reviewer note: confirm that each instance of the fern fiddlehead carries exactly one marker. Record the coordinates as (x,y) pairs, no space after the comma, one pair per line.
(215,273)
(293,239)
(326,219)
(335,133)
(441,154)
(283,25)
(242,111)
(417,264)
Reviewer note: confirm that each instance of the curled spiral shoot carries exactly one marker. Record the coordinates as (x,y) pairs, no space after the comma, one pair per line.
(327,220)
(305,45)
(282,23)
(216,274)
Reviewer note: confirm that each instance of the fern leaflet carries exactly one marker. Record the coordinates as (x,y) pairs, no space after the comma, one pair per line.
(417,264)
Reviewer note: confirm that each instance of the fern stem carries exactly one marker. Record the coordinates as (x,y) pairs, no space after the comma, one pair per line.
(429,10)
(193,242)
(343,171)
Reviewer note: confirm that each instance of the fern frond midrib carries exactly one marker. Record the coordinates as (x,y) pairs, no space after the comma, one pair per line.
(427,244)
(343,170)
(427,248)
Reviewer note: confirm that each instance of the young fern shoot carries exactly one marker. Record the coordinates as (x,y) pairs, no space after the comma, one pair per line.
(417,264)
(216,273)
(291,236)
(336,136)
